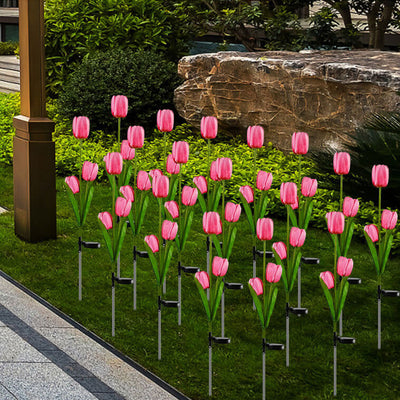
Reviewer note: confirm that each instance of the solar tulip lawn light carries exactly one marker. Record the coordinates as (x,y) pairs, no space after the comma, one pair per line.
(374,234)
(165,123)
(265,306)
(119,109)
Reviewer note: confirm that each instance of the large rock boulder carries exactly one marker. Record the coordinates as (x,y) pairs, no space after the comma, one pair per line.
(325,93)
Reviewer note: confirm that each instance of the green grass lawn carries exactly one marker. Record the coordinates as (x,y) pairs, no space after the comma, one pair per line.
(50,269)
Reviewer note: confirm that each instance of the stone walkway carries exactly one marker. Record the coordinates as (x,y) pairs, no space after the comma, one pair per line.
(44,355)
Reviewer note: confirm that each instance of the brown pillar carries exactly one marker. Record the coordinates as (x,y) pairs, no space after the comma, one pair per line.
(34,151)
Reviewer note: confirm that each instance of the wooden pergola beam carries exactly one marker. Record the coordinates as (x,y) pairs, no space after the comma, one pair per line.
(34,150)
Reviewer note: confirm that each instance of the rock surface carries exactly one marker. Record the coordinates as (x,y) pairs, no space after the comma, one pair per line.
(325,93)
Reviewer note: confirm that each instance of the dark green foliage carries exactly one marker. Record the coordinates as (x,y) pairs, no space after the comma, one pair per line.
(76,28)
(8,48)
(147,79)
(322,25)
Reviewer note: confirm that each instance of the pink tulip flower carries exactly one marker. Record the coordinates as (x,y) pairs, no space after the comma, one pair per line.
(81,127)
(224,168)
(209,127)
(264,180)
(173,208)
(203,279)
(295,205)
(344,266)
(232,212)
(328,279)
(143,181)
(380,175)
(265,228)
(127,152)
(180,152)
(201,183)
(257,285)
(341,163)
(247,193)
(165,120)
(122,207)
(220,266)
(297,237)
(280,249)
(212,223)
(214,171)
(350,207)
(114,163)
(73,183)
(172,167)
(189,196)
(128,192)
(119,106)
(89,171)
(136,136)
(160,186)
(273,273)
(308,187)
(300,143)
(106,218)
(152,242)
(335,222)
(155,172)
(389,219)
(169,230)
(372,232)
(255,137)
(288,193)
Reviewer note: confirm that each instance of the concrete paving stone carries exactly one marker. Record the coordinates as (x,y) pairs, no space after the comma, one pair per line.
(58,357)
(5,394)
(113,371)
(76,370)
(41,381)
(20,351)
(108,396)
(93,384)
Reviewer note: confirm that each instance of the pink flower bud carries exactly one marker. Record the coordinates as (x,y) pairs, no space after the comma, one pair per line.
(160,186)
(122,207)
(280,249)
(81,127)
(214,171)
(224,168)
(201,183)
(265,228)
(389,219)
(152,242)
(128,193)
(89,171)
(308,187)
(255,137)
(169,230)
(203,279)
(300,143)
(209,127)
(189,196)
(232,212)
(264,180)
(212,223)
(344,266)
(114,163)
(350,207)
(173,208)
(335,222)
(127,152)
(143,181)
(155,172)
(273,273)
(247,193)
(380,175)
(219,266)
(106,219)
(288,193)
(119,106)
(297,237)
(341,163)
(295,205)
(172,167)
(180,152)
(257,285)
(165,120)
(328,279)
(73,183)
(136,136)
(372,232)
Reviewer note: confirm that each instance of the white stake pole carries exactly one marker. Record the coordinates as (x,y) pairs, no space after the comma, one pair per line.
(299,287)
(210,369)
(80,271)
(223,313)
(159,328)
(113,310)
(179,296)
(287,334)
(263,371)
(334,368)
(134,278)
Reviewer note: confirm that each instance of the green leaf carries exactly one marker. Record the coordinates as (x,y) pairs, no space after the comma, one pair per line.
(87,203)
(203,299)
(107,240)
(249,214)
(75,206)
(173,188)
(217,301)
(258,305)
(374,254)
(187,229)
(142,213)
(309,208)
(329,299)
(216,244)
(264,205)
(386,251)
(292,216)
(154,263)
(217,196)
(271,306)
(348,239)
(202,202)
(294,269)
(167,262)
(131,221)
(230,243)
(285,278)
(120,239)
(342,299)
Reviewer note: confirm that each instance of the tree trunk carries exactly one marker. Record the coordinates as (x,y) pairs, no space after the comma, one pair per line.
(383,23)
(343,8)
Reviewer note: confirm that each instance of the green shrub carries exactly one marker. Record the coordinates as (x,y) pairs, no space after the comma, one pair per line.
(9,108)
(8,48)
(76,28)
(144,77)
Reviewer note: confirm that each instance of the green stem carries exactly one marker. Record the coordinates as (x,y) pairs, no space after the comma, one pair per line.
(114,219)
(180,207)
(341,193)
(80,179)
(209,166)
(119,132)
(165,153)
(159,233)
(335,266)
(254,180)
(287,236)
(210,261)
(223,211)
(134,192)
(264,272)
(300,194)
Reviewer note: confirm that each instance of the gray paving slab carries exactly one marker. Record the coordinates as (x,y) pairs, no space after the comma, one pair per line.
(5,394)
(41,381)
(20,351)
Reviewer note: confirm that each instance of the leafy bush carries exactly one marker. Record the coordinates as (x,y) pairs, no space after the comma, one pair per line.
(9,108)
(143,76)
(322,25)
(8,48)
(76,28)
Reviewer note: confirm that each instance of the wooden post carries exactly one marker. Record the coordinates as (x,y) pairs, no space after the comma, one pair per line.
(34,150)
